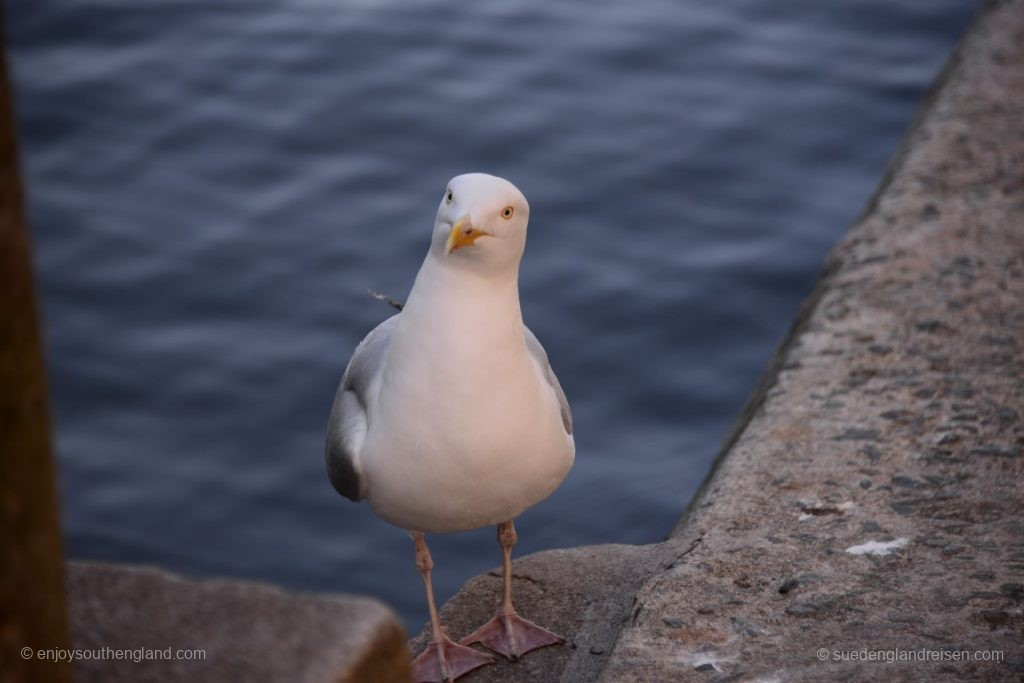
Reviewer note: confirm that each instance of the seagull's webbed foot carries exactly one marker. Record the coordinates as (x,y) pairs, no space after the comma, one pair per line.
(510,635)
(446,661)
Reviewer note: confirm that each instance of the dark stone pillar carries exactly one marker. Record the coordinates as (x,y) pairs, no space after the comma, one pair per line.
(31,577)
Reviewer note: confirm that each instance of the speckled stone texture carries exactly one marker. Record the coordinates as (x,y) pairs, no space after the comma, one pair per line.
(889,421)
(247,631)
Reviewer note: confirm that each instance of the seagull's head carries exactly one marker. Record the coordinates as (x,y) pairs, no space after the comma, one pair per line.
(481,222)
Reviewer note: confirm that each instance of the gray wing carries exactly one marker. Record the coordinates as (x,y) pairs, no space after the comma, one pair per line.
(347,425)
(536,350)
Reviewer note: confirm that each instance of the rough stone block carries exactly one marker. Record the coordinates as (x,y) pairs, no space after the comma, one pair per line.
(225,630)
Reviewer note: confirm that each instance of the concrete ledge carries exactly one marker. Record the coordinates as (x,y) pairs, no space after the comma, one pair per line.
(870,497)
(246,631)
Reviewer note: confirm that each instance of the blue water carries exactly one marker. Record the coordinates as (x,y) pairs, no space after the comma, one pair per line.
(212,189)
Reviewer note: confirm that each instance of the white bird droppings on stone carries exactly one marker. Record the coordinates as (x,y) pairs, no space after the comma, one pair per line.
(701,661)
(821,509)
(877,547)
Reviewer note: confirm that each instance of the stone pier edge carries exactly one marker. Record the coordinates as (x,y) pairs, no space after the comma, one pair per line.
(770,373)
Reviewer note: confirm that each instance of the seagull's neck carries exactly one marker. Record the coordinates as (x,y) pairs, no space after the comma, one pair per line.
(456,318)
(466,296)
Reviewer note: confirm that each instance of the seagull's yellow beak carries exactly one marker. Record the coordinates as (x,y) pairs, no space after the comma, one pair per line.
(463,234)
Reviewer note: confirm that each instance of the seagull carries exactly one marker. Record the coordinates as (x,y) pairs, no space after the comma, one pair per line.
(449,416)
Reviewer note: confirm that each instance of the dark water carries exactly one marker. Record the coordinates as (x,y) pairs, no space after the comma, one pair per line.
(213,188)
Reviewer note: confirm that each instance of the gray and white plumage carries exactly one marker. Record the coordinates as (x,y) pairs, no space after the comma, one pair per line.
(346,427)
(449,415)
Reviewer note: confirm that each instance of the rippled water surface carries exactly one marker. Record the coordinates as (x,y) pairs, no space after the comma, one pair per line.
(213,186)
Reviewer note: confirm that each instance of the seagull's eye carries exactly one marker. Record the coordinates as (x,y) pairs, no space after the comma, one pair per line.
(448,197)
(507,212)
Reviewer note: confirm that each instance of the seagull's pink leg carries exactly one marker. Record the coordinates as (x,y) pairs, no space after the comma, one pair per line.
(444,659)
(508,633)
